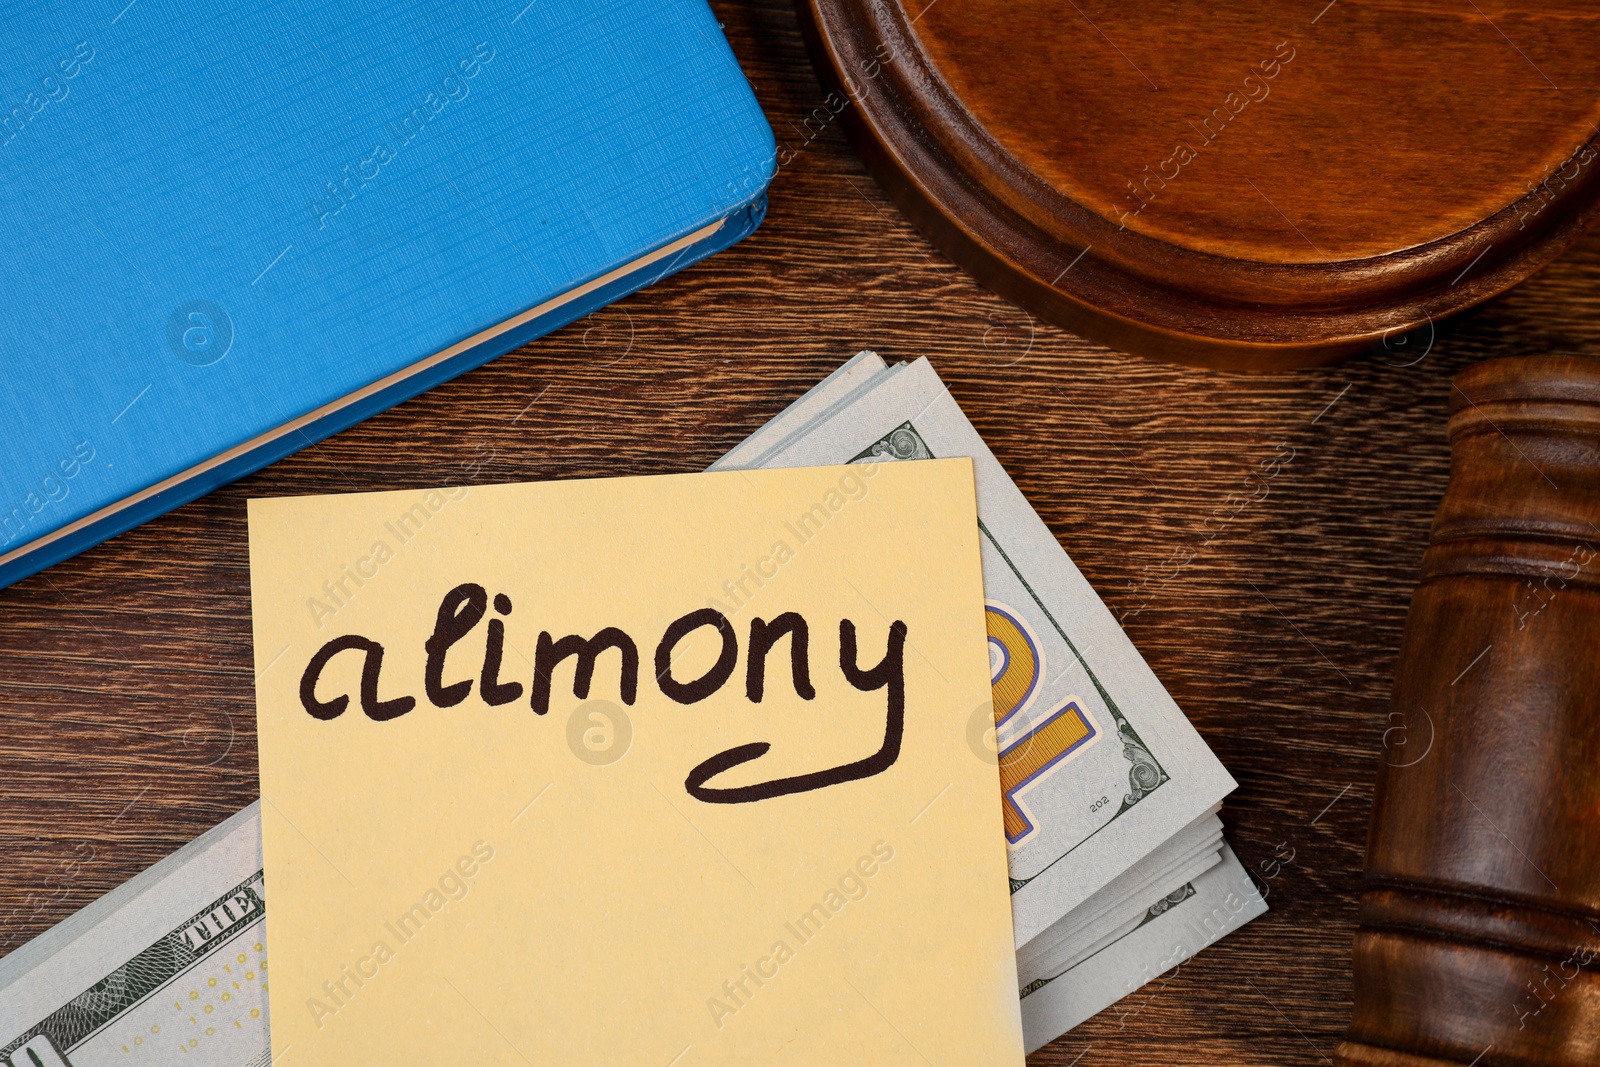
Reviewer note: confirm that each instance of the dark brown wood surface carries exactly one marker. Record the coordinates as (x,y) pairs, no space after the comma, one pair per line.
(1251,186)
(1271,609)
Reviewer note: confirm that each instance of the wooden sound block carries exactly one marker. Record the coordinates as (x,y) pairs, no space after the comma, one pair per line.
(1245,186)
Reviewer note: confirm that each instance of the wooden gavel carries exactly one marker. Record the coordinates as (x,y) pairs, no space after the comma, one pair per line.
(1479,938)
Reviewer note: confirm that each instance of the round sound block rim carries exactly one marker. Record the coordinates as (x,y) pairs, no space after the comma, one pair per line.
(1076,269)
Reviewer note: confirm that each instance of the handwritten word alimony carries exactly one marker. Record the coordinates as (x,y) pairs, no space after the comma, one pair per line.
(466,605)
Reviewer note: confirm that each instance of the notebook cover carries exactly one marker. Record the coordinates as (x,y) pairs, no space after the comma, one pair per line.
(233,227)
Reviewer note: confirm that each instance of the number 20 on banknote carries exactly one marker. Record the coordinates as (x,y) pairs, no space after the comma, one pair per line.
(1016,667)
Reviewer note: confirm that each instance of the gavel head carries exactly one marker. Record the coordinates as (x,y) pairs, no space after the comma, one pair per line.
(1479,938)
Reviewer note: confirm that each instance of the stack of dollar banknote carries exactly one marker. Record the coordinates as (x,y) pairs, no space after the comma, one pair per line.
(1109,799)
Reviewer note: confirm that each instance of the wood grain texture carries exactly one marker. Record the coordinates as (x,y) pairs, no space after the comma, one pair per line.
(1272,614)
(1246,186)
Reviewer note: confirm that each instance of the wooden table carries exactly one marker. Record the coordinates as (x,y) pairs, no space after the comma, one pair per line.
(1272,614)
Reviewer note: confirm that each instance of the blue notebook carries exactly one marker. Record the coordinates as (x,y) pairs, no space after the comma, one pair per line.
(234,227)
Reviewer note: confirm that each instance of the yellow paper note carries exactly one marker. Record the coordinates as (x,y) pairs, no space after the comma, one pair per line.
(640,771)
